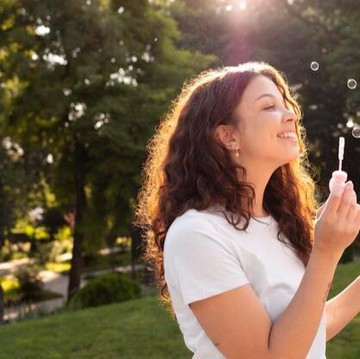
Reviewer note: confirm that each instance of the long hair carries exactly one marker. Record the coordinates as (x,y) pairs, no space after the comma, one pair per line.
(187,167)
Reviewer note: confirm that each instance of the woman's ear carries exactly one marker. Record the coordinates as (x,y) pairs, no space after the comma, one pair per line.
(225,135)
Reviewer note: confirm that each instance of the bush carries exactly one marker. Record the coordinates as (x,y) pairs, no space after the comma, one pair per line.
(51,251)
(105,289)
(29,282)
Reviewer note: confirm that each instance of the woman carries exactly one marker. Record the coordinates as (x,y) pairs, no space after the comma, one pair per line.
(232,224)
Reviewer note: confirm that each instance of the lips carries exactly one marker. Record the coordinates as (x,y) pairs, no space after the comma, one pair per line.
(288,135)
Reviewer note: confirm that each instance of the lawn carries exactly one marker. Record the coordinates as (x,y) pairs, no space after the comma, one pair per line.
(346,345)
(135,329)
(131,330)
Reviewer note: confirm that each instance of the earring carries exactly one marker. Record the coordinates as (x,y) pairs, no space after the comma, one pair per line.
(237,152)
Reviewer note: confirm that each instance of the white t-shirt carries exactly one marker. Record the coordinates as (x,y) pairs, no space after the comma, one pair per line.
(204,256)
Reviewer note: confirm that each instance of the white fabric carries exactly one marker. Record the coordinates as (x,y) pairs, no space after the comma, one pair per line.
(204,256)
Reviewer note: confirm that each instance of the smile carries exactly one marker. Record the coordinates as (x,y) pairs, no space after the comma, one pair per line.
(288,135)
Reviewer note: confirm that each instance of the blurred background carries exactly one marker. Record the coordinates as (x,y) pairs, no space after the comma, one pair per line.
(83,85)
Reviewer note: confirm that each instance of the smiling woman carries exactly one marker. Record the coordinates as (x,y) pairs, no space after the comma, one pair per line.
(267,132)
(229,212)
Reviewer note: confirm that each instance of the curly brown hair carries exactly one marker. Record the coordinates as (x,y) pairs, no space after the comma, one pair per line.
(187,167)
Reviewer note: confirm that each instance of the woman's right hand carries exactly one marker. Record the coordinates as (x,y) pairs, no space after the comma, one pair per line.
(337,221)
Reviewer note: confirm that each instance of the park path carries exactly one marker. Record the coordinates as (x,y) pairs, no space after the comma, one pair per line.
(53,282)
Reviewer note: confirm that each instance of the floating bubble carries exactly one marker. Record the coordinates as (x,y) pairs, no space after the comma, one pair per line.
(314,66)
(352,84)
(356,132)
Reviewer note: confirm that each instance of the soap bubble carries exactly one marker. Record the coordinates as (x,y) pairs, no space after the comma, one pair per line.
(356,132)
(314,66)
(352,84)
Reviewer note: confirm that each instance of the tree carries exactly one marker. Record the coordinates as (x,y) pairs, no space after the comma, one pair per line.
(93,77)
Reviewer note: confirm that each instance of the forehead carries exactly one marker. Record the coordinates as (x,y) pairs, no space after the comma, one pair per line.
(258,86)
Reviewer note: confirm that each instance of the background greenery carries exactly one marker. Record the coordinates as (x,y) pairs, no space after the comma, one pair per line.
(84,83)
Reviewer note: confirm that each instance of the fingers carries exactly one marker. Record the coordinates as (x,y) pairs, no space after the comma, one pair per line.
(333,202)
(339,220)
(353,209)
(348,200)
(342,199)
(320,210)
(357,217)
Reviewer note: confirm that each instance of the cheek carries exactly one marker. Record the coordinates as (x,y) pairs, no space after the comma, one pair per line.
(259,132)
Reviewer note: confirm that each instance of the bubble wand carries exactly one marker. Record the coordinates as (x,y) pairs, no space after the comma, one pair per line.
(339,176)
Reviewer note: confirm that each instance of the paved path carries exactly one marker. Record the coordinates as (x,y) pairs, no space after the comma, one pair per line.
(53,282)
(8,267)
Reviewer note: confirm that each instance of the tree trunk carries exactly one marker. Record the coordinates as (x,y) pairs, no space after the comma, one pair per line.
(77,259)
(77,262)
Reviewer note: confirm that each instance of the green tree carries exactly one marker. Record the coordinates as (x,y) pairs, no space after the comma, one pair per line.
(92,79)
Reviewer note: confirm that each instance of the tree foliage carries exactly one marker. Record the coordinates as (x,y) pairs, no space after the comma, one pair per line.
(84,83)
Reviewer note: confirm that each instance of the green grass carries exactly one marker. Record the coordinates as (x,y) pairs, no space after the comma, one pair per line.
(345,345)
(132,330)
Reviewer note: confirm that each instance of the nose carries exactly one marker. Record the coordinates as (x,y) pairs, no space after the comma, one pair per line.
(290,116)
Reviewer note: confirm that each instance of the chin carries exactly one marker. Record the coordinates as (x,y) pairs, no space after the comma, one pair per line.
(291,157)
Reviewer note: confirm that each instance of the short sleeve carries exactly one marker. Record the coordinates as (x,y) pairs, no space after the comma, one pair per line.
(199,261)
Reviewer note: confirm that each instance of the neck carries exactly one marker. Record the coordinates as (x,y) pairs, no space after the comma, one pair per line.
(258,178)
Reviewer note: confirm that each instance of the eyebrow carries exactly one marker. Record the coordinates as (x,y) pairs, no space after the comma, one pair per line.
(269,95)
(265,95)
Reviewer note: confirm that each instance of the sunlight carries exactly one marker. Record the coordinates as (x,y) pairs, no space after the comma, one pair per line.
(42,30)
(53,59)
(241,5)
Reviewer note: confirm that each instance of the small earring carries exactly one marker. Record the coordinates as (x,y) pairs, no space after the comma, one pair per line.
(237,152)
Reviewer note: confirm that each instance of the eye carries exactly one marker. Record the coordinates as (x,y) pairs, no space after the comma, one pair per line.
(270,107)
